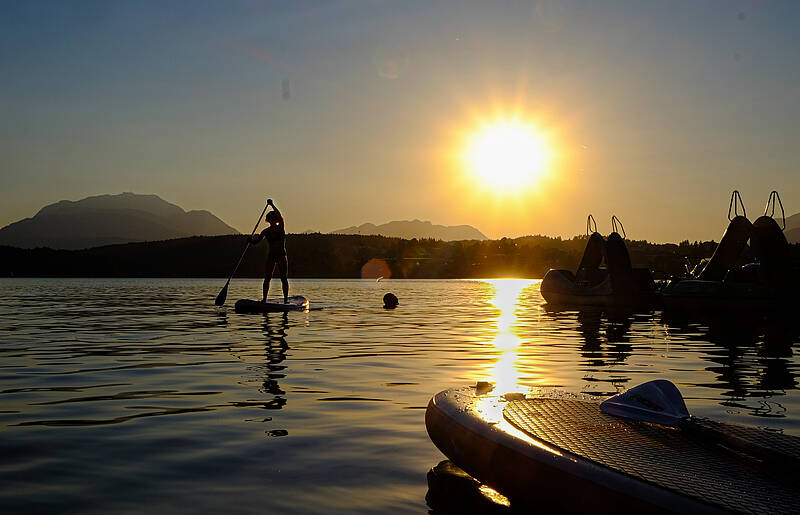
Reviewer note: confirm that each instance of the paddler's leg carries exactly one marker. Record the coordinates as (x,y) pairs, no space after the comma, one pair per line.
(268,277)
(283,270)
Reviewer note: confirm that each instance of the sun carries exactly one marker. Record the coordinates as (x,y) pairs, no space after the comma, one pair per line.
(507,155)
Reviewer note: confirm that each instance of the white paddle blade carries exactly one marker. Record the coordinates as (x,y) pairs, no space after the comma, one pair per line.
(657,401)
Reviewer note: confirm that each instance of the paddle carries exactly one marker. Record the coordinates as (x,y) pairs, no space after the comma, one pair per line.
(660,402)
(223,294)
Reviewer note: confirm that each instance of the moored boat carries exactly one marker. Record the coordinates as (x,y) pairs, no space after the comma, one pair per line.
(617,284)
(722,285)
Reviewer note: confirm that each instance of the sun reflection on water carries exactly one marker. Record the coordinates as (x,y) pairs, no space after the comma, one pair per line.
(507,295)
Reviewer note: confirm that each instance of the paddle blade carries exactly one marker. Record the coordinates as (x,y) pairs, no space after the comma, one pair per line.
(223,294)
(656,401)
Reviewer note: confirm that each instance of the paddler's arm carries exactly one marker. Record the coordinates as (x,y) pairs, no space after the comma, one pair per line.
(254,239)
(270,203)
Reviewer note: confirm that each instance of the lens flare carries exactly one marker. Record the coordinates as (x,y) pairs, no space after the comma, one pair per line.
(376,269)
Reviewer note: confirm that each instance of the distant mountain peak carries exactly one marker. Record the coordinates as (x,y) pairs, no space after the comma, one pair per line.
(109,219)
(416,229)
(127,200)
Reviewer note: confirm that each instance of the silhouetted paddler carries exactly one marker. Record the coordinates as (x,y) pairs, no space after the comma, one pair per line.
(276,237)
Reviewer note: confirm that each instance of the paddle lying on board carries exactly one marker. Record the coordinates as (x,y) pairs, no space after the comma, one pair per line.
(660,402)
(223,294)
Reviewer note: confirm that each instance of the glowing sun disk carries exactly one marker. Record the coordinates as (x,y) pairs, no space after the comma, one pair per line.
(507,155)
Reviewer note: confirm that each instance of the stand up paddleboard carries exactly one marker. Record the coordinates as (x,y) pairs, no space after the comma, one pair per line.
(296,303)
(566,453)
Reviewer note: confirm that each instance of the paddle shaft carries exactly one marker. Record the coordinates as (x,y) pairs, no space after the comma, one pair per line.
(247,246)
(764,453)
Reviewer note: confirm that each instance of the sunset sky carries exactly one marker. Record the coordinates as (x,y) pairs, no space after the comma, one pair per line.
(352,112)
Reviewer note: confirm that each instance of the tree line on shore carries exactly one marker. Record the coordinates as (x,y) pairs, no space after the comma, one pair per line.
(342,256)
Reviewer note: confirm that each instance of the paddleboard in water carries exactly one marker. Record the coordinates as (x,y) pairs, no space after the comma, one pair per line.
(296,303)
(565,453)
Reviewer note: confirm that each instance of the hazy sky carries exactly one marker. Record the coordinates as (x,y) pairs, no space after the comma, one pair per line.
(349,112)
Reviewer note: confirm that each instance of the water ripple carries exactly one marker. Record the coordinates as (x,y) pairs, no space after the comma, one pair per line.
(136,394)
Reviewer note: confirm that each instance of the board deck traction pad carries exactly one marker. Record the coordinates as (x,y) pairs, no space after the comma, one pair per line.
(665,456)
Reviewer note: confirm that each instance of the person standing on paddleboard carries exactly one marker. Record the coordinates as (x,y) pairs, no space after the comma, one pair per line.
(276,236)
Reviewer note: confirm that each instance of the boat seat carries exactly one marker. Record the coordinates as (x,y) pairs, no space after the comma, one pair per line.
(593,253)
(728,250)
(771,249)
(619,265)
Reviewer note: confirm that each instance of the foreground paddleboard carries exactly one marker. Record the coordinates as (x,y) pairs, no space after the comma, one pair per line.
(296,303)
(565,453)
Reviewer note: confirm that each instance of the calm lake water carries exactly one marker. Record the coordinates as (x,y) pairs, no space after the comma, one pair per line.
(139,395)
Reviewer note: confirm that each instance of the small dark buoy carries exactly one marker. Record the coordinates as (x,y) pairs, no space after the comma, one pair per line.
(390,301)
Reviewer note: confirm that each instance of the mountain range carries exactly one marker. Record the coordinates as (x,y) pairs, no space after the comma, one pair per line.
(110,219)
(129,217)
(409,229)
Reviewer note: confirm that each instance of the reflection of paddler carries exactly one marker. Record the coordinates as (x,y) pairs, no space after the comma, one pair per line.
(276,347)
(275,234)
